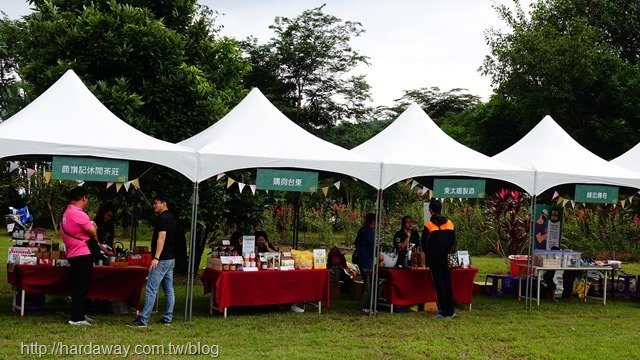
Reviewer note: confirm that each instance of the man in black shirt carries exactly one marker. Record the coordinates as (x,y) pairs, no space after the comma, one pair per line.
(161,270)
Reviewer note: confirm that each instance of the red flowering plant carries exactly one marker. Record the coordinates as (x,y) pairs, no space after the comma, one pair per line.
(508,215)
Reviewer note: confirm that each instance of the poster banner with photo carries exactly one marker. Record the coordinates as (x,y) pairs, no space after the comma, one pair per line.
(547,226)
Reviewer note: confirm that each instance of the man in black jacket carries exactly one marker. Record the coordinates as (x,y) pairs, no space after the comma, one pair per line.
(438,241)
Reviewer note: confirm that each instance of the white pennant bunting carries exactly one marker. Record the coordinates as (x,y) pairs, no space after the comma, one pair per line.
(573,204)
(220,176)
(337,185)
(413,184)
(13,165)
(30,172)
(253,189)
(241,186)
(109,184)
(555,195)
(424,190)
(127,185)
(564,202)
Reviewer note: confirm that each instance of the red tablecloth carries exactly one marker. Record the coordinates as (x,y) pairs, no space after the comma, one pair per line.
(107,282)
(268,287)
(415,286)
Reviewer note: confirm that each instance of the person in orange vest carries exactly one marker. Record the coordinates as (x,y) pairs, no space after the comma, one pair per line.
(438,241)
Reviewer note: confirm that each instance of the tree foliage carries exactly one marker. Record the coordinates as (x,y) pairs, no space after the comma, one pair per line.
(575,60)
(160,66)
(305,69)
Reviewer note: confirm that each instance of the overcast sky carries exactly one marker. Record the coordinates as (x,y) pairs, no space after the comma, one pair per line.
(410,43)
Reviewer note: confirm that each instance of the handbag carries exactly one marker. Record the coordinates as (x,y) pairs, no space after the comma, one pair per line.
(92,244)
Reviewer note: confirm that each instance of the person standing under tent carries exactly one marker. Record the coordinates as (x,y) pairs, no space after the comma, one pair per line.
(162,265)
(364,254)
(75,230)
(439,239)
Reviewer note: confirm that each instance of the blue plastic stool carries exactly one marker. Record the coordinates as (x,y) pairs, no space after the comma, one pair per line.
(509,284)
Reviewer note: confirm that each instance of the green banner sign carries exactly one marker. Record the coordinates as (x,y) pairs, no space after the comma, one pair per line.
(90,169)
(459,188)
(598,194)
(286,180)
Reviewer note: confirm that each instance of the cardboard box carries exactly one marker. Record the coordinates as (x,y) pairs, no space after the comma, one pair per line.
(335,290)
(479,288)
(357,288)
(431,307)
(13,254)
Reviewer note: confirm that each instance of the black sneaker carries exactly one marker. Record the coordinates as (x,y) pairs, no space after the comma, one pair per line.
(137,323)
(164,322)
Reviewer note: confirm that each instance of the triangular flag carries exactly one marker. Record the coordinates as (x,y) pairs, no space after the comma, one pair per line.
(337,185)
(622,202)
(424,190)
(118,186)
(564,202)
(230,182)
(573,204)
(356,180)
(430,194)
(136,183)
(127,185)
(220,176)
(241,186)
(47,176)
(13,165)
(450,200)
(109,184)
(413,184)
(325,190)
(559,200)
(30,172)
(253,189)
(460,200)
(555,195)
(631,199)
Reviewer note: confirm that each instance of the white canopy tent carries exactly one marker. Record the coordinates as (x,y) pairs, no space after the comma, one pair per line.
(559,159)
(67,119)
(629,160)
(256,134)
(413,145)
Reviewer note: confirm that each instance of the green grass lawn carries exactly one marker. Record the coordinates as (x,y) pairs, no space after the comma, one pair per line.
(496,328)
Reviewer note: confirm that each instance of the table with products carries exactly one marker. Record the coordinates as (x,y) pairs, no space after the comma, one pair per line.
(538,270)
(405,287)
(265,287)
(111,283)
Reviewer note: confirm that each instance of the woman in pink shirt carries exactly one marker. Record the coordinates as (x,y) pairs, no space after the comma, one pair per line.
(75,229)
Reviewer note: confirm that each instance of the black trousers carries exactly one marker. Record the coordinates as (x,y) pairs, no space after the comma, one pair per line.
(442,283)
(81,267)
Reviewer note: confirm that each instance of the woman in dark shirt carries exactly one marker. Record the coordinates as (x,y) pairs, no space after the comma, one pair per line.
(405,236)
(104,222)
